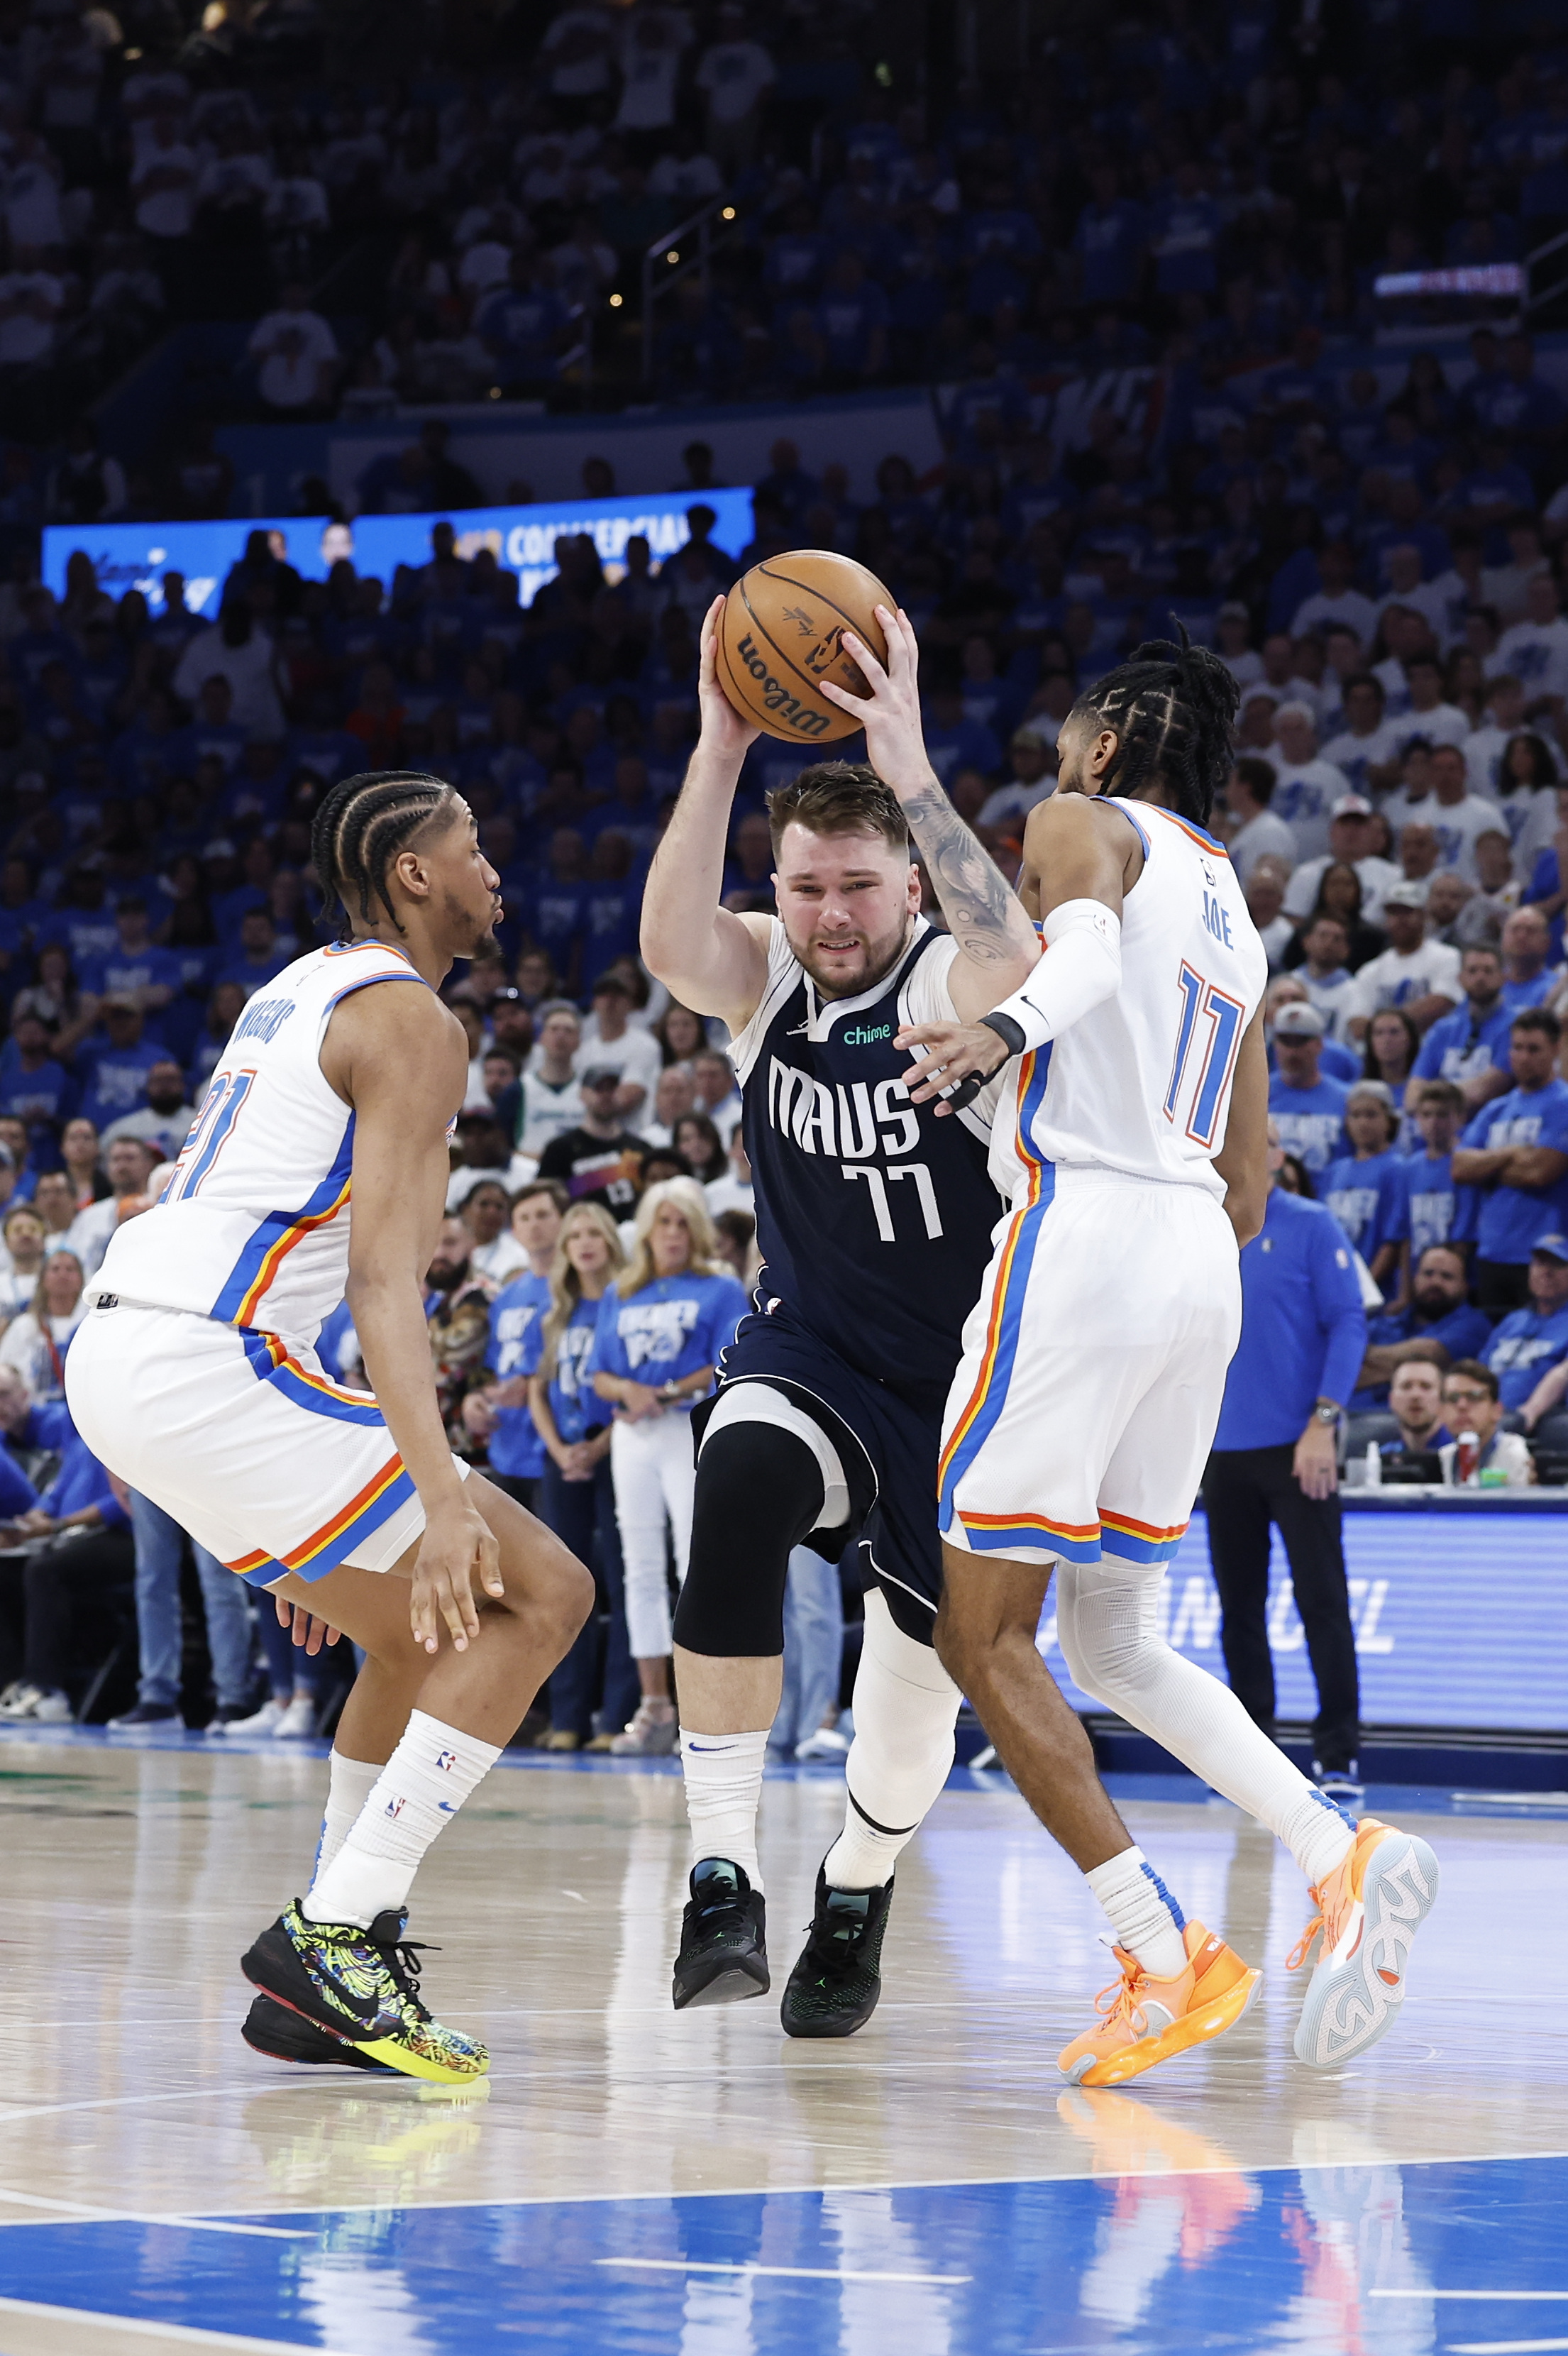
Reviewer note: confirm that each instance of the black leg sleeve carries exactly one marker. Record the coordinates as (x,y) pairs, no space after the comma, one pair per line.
(759,1493)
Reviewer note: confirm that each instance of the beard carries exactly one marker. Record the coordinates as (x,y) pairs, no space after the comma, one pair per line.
(846,975)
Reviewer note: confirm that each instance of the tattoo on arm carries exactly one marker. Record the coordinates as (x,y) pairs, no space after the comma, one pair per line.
(984,916)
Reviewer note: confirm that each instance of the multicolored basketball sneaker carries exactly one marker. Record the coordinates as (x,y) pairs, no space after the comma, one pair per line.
(1369,1911)
(362,1985)
(1147,2020)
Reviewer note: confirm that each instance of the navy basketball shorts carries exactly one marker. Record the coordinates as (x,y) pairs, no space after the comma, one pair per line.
(887,1441)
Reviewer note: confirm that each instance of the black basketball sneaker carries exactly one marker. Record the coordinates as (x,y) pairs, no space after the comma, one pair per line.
(834,1988)
(272,2029)
(723,1938)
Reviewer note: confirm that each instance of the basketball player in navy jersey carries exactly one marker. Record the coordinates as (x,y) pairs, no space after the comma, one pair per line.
(874,1221)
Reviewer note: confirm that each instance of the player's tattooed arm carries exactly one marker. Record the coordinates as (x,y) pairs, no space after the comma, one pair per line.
(995,939)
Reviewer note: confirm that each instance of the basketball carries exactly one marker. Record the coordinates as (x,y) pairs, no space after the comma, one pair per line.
(782,633)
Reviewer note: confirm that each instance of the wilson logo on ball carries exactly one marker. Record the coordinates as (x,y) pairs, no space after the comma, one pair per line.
(776,697)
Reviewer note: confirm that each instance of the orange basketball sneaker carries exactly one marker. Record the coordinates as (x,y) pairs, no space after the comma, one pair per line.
(1369,1911)
(1147,2020)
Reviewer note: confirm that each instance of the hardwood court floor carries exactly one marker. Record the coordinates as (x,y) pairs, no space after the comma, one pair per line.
(635,2179)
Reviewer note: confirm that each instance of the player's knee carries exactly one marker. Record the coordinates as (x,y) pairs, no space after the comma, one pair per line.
(759,1493)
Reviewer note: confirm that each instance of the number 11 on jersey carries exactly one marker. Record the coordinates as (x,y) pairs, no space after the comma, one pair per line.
(1203,1001)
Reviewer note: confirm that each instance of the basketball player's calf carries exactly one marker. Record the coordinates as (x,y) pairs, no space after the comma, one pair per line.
(418,1733)
(770,1481)
(1180,1986)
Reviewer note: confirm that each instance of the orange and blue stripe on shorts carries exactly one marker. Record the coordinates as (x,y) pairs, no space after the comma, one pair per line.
(996,1533)
(388,1488)
(1132,1541)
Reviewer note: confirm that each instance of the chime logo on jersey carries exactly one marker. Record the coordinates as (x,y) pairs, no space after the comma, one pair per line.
(652,1332)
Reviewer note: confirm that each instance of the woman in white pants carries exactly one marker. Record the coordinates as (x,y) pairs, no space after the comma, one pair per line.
(661,1328)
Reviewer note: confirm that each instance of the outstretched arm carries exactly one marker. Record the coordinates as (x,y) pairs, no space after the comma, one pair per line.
(997,943)
(712,960)
(1086,855)
(398,1056)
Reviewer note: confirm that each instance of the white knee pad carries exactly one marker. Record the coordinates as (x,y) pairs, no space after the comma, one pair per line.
(906,1706)
(1107,1624)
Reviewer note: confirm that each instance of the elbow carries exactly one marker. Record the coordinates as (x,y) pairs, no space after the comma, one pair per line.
(1246,1216)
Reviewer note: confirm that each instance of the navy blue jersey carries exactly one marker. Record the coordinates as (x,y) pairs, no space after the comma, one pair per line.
(874,1218)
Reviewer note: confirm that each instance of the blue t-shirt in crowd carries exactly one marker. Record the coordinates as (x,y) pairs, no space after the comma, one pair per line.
(669,1329)
(46,1095)
(1459,1046)
(516,1314)
(82,1481)
(1368,1199)
(1522,1349)
(1437,1212)
(114,1079)
(1511,1218)
(1465,1332)
(17,1494)
(1304,1331)
(1311,1120)
(575,1404)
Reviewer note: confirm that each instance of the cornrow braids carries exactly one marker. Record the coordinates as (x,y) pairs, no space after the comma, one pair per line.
(360,828)
(1173,708)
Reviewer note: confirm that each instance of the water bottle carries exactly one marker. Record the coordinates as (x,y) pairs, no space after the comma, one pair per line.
(1466,1457)
(1374,1465)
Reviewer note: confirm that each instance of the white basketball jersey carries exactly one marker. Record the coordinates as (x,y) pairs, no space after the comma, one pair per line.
(252,1228)
(1143,1081)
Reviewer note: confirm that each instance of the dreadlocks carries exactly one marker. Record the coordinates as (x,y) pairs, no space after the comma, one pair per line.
(360,828)
(1172,708)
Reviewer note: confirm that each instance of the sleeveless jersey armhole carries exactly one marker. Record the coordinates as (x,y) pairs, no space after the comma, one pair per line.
(784,973)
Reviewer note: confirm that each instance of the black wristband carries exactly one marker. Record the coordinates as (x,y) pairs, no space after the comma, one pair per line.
(1012,1039)
(1009,1032)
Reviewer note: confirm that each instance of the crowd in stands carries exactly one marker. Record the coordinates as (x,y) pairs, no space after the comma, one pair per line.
(1379,559)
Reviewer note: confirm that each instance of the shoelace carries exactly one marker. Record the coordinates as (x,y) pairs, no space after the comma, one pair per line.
(1303,1947)
(1120,2000)
(722,1902)
(405,1971)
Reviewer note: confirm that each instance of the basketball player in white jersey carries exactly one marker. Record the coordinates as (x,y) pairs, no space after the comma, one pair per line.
(195,1378)
(1131,1142)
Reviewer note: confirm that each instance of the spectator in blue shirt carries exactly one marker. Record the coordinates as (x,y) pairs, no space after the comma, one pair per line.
(1438,1324)
(499,1414)
(524,323)
(1437,1210)
(1527,1346)
(1309,1108)
(1304,1335)
(576,1496)
(1516,1152)
(63,1578)
(34,1086)
(851,318)
(113,1065)
(1470,1046)
(260,957)
(1186,235)
(1110,240)
(1365,1188)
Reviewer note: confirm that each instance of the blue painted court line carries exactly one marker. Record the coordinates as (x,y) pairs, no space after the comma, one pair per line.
(1388,2261)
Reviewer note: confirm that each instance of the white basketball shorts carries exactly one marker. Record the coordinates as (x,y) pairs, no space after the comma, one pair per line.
(1084,1404)
(249,1443)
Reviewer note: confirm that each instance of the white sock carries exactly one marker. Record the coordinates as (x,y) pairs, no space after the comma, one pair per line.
(1107,1623)
(349,1785)
(1146,1918)
(723,1786)
(905,1707)
(423,1783)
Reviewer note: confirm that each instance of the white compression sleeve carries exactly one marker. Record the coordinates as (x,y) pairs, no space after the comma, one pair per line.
(906,1707)
(1081,967)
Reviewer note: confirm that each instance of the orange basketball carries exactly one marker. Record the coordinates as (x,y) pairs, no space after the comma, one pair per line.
(782,633)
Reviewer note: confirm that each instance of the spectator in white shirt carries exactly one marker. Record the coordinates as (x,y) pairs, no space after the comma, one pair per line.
(1323,972)
(127,1164)
(1426,714)
(1455,815)
(1258,833)
(1338,600)
(1406,588)
(163,184)
(1366,751)
(675,1095)
(1536,649)
(735,76)
(1031,756)
(298,353)
(552,1101)
(733,1192)
(1266,903)
(487,1215)
(1350,834)
(1231,624)
(31,302)
(651,49)
(716,1094)
(1307,784)
(1419,977)
(1484,747)
(633,1054)
(236,649)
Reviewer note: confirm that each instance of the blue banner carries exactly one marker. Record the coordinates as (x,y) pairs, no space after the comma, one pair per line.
(522,539)
(1460,1619)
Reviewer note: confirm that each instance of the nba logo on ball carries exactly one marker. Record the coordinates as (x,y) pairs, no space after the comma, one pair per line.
(783,634)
